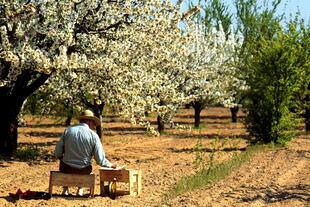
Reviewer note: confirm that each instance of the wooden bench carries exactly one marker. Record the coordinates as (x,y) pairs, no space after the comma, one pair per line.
(131,176)
(71,180)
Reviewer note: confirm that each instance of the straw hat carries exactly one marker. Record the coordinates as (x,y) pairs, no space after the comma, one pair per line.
(88,114)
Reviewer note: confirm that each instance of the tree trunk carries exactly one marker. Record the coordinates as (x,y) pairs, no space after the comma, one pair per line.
(8,127)
(307,119)
(197,116)
(234,112)
(198,108)
(188,106)
(68,120)
(97,109)
(160,124)
(69,116)
(12,98)
(99,129)
(307,111)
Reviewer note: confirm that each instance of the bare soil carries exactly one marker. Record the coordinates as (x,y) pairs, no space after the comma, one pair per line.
(277,177)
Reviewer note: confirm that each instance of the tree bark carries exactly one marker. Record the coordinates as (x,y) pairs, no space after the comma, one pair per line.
(12,98)
(234,112)
(97,109)
(197,117)
(307,111)
(8,126)
(69,116)
(198,108)
(188,106)
(160,124)
(307,119)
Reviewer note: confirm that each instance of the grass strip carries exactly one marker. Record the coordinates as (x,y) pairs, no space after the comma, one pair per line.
(208,176)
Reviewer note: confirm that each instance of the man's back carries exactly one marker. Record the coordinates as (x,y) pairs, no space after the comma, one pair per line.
(79,144)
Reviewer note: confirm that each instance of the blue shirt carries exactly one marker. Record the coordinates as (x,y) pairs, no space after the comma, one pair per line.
(78,144)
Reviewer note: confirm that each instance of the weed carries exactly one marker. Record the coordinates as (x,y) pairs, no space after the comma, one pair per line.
(204,160)
(213,172)
(199,127)
(27,153)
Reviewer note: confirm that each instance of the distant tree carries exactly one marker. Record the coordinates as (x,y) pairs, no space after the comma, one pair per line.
(215,13)
(275,67)
(254,19)
(257,18)
(212,70)
(301,98)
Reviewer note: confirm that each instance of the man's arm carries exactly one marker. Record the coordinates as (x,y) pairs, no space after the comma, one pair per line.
(99,155)
(59,149)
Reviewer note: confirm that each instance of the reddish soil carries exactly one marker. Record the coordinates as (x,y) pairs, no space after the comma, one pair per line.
(277,177)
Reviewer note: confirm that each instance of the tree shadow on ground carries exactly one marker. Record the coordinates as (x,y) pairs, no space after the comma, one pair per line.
(46,158)
(116,120)
(207,117)
(271,195)
(191,150)
(124,131)
(210,136)
(43,134)
(204,123)
(39,144)
(304,153)
(44,155)
(42,125)
(4,161)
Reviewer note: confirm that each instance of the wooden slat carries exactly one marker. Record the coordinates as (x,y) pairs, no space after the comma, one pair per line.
(63,179)
(131,176)
(119,175)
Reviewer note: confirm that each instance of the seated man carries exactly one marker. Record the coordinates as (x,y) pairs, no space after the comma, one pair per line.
(76,147)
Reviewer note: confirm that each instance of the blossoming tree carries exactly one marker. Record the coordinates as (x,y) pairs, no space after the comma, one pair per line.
(40,38)
(143,71)
(211,62)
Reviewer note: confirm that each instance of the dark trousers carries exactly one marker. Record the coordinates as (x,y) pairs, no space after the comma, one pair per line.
(63,167)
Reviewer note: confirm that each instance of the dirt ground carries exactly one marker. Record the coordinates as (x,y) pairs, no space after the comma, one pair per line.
(278,177)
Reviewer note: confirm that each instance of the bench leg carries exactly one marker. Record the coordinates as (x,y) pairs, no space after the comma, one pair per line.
(102,188)
(132,184)
(92,190)
(139,183)
(50,188)
(50,191)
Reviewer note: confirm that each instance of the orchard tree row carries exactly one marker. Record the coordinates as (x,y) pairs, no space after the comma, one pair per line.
(142,57)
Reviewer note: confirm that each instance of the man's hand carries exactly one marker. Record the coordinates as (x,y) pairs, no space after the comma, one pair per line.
(113,165)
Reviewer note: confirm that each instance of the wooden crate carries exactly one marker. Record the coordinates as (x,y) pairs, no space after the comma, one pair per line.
(131,176)
(71,180)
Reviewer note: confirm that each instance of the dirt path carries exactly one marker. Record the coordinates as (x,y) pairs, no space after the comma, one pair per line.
(279,177)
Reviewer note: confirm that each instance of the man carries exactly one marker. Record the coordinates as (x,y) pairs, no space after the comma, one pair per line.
(76,147)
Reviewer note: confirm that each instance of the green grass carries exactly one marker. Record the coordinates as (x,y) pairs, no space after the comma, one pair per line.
(218,172)
(199,127)
(27,153)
